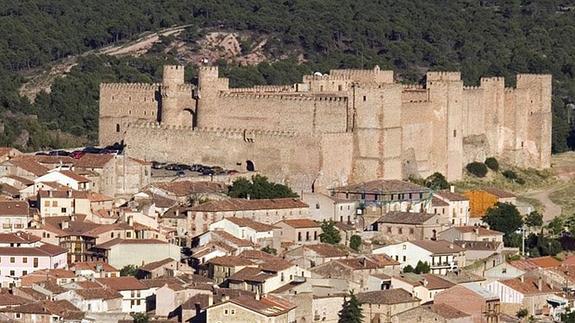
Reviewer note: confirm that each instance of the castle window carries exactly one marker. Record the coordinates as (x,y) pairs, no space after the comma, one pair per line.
(522,144)
(454,133)
(339,88)
(129,111)
(321,88)
(117,127)
(364,98)
(145,113)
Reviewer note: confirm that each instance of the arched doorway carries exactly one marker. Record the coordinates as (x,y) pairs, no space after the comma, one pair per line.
(250,167)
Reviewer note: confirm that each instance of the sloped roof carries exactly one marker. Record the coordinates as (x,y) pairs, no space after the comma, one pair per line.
(499,193)
(478,245)
(268,305)
(156,264)
(451,196)
(446,311)
(480,231)
(249,205)
(249,223)
(12,208)
(61,308)
(438,202)
(30,166)
(405,218)
(529,286)
(122,283)
(98,293)
(301,223)
(94,160)
(437,246)
(231,261)
(388,297)
(326,250)
(429,281)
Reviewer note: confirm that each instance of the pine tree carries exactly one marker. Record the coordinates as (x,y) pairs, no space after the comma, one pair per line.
(351,310)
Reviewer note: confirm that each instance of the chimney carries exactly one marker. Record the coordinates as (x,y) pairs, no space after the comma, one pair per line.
(451,246)
(452,189)
(540,284)
(476,230)
(226,298)
(69,193)
(210,299)
(258,295)
(522,279)
(131,221)
(65,225)
(425,282)
(50,193)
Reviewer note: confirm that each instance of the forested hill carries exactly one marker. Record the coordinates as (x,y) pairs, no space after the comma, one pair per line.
(490,37)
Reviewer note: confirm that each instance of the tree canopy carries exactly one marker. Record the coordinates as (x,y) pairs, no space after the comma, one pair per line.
(329,234)
(259,188)
(351,311)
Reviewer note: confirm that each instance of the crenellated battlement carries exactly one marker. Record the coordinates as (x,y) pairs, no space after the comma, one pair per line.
(215,130)
(471,88)
(443,76)
(129,86)
(325,77)
(263,96)
(265,88)
(413,87)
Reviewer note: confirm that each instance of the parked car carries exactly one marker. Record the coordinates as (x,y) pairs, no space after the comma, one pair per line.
(174,167)
(207,171)
(180,173)
(59,153)
(77,154)
(158,165)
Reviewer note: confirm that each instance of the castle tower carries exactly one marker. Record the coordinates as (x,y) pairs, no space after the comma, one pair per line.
(209,104)
(173,78)
(446,96)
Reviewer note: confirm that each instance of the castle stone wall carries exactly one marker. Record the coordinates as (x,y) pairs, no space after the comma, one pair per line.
(345,126)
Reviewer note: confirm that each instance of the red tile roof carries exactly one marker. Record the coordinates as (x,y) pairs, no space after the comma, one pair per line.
(74,176)
(451,196)
(529,286)
(98,293)
(13,208)
(499,193)
(18,237)
(43,250)
(61,308)
(93,265)
(326,250)
(94,160)
(381,186)
(429,281)
(480,231)
(405,218)
(249,223)
(29,166)
(438,246)
(301,223)
(122,283)
(231,261)
(249,205)
(387,297)
(269,305)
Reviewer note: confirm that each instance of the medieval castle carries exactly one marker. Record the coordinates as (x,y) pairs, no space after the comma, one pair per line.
(345,126)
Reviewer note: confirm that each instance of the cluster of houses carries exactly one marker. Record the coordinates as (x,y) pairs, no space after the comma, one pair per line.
(98,239)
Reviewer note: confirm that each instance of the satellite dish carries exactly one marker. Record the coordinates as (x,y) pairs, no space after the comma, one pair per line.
(317,74)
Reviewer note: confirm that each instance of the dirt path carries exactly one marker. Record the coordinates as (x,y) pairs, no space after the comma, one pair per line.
(550,209)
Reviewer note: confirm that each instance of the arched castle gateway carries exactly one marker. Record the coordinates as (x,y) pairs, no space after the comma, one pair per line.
(348,126)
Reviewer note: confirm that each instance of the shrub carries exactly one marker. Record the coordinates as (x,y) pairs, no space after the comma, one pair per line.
(478,169)
(355,242)
(437,181)
(509,174)
(492,164)
(520,181)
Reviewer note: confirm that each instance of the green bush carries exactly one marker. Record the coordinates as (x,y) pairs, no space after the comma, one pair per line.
(492,164)
(478,169)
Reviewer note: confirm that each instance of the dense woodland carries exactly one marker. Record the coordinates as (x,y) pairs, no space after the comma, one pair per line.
(478,37)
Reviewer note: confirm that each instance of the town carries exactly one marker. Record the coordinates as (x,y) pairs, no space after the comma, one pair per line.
(95,235)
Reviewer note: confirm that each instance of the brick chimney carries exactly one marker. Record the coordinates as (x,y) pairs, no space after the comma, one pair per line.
(452,189)
(522,278)
(540,284)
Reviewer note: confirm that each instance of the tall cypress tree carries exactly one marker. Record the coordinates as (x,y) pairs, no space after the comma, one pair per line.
(351,310)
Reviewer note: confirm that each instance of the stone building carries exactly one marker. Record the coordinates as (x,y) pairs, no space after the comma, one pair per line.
(321,132)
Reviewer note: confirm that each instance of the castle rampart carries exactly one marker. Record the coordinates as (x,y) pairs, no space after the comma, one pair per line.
(345,126)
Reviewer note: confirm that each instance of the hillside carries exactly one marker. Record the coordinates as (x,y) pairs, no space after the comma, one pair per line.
(266,42)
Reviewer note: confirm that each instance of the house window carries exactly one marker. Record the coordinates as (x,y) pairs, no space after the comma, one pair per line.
(400,230)
(117,127)
(454,133)
(411,231)
(315,235)
(404,258)
(307,236)
(12,260)
(233,312)
(24,272)
(47,203)
(388,229)
(282,277)
(226,312)
(12,273)
(299,236)
(24,260)
(63,210)
(35,262)
(54,203)
(128,234)
(317,206)
(364,98)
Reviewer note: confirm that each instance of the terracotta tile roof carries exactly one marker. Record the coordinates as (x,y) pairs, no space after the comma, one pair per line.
(13,208)
(163,202)
(382,186)
(268,305)
(98,293)
(478,245)
(53,273)
(342,226)
(446,311)
(529,286)
(436,202)
(301,223)
(252,274)
(185,188)
(545,262)
(74,176)
(249,205)
(30,166)
(231,261)
(480,231)
(161,281)
(364,263)
(118,241)
(569,261)
(5,151)
(63,193)
(87,284)
(63,309)
(275,264)
(499,193)
(18,237)
(51,286)
(94,160)
(98,197)
(22,180)
(229,238)
(405,218)
(122,283)
(12,300)
(256,255)
(249,223)
(523,264)
(437,246)
(388,297)
(9,190)
(156,264)
(32,293)
(210,247)
(51,160)
(326,250)
(45,249)
(451,196)
(429,281)
(93,265)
